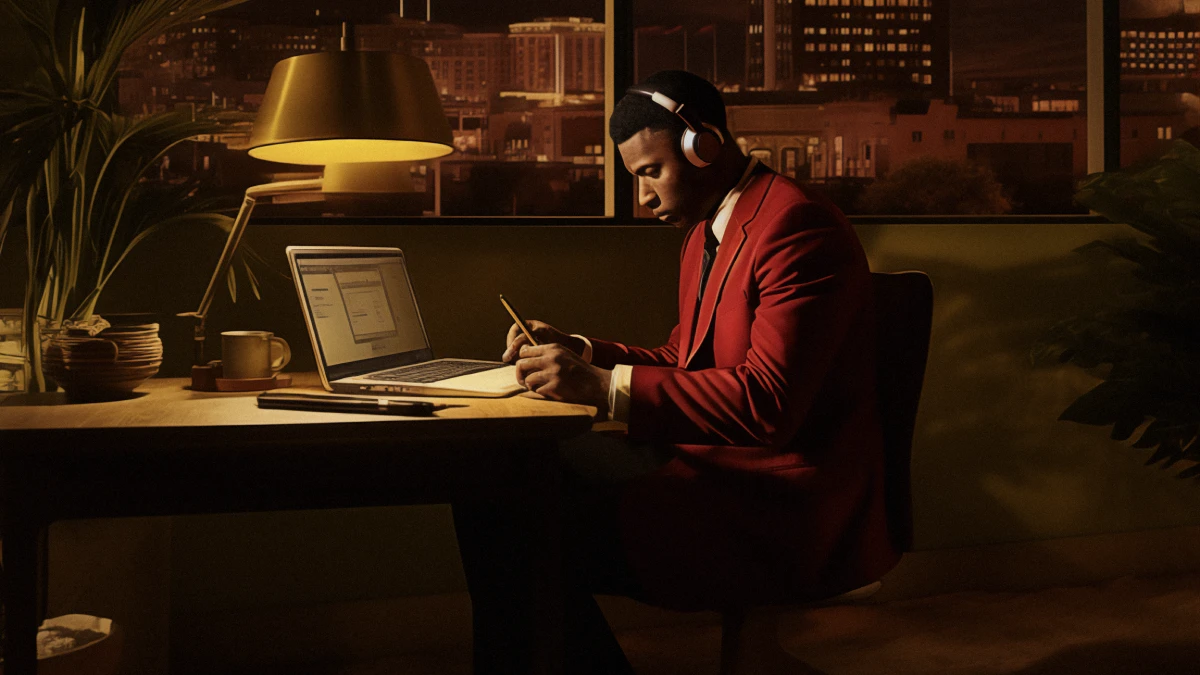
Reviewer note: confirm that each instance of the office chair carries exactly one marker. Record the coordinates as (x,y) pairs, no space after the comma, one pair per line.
(904,310)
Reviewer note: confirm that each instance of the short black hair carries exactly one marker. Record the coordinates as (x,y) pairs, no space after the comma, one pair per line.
(635,112)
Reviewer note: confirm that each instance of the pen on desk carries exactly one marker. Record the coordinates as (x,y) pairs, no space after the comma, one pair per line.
(520,322)
(343,403)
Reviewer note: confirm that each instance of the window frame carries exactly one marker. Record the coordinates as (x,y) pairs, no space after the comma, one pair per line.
(1103,123)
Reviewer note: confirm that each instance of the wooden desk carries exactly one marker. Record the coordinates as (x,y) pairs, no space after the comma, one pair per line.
(173,451)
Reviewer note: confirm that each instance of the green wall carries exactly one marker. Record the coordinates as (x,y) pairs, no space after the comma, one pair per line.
(991,463)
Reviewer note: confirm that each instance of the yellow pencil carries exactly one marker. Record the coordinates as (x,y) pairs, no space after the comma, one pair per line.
(520,322)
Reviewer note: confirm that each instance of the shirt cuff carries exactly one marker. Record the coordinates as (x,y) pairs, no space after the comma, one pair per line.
(587,348)
(618,393)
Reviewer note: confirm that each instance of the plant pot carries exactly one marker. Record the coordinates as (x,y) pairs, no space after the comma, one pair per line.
(96,656)
(46,332)
(107,366)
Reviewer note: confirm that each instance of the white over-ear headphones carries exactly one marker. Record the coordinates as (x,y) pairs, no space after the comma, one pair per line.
(701,142)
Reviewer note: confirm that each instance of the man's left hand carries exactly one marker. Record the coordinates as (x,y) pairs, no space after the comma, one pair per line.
(560,374)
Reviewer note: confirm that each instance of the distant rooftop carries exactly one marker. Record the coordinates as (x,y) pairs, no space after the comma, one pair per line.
(549,23)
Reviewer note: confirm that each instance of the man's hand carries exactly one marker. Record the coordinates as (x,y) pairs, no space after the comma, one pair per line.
(560,374)
(545,335)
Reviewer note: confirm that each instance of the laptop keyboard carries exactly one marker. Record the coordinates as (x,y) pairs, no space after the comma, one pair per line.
(432,371)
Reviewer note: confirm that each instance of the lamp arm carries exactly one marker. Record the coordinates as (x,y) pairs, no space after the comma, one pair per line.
(232,242)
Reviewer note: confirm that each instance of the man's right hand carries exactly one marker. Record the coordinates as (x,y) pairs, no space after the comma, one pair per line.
(544,333)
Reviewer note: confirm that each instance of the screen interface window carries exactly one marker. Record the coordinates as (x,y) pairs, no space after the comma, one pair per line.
(362,308)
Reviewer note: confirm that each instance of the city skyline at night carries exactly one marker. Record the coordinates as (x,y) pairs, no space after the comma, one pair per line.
(862,88)
(990,38)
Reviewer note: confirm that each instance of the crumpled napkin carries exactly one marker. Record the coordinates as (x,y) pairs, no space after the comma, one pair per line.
(91,325)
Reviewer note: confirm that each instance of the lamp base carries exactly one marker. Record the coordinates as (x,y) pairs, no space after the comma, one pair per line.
(208,378)
(204,378)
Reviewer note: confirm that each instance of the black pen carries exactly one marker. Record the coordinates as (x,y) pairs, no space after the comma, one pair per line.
(344,403)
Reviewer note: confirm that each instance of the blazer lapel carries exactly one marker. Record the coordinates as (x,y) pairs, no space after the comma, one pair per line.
(731,245)
(689,287)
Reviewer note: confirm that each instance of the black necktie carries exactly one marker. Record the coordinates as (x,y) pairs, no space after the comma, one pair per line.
(710,252)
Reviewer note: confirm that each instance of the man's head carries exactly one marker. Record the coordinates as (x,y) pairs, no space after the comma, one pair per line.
(648,136)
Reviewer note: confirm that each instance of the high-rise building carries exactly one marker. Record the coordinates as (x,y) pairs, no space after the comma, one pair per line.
(203,49)
(849,47)
(265,45)
(473,67)
(405,35)
(1161,48)
(558,56)
(769,45)
(1160,81)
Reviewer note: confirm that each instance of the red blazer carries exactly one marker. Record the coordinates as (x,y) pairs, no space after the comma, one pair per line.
(776,492)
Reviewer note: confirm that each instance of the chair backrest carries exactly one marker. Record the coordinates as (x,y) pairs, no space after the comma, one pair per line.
(904,312)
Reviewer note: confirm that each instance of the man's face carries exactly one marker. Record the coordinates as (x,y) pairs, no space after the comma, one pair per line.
(667,183)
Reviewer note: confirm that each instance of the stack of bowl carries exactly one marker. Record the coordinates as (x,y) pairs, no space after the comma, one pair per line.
(105,366)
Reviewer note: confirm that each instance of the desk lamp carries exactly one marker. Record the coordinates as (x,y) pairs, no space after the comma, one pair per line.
(331,109)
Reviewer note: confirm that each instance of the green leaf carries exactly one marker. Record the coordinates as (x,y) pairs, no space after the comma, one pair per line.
(1166,450)
(1190,472)
(1123,428)
(231,283)
(1153,435)
(253,280)
(5,218)
(1103,405)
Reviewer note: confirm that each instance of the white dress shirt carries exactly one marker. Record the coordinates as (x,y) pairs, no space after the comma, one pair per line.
(622,374)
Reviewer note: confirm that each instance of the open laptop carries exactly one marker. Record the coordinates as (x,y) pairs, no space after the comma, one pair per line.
(367,333)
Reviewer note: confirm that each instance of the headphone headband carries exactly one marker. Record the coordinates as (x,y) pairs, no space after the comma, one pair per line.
(702,142)
(670,104)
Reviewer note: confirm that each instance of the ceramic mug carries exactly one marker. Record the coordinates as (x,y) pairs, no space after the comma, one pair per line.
(247,354)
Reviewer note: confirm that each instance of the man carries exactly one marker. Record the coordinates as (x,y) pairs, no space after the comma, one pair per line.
(753,467)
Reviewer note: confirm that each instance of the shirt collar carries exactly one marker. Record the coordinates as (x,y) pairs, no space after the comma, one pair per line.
(725,210)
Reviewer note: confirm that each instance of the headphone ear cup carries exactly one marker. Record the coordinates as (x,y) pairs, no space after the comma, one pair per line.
(708,146)
(701,149)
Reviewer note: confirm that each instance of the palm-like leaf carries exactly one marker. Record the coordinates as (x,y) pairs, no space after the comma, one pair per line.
(73,170)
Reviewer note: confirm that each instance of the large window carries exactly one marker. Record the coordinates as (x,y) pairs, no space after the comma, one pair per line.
(891,107)
(1159,56)
(895,106)
(523,86)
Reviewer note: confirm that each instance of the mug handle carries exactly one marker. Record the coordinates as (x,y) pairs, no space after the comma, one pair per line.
(285,354)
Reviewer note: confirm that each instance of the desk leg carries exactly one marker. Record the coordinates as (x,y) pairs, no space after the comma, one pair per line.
(22,581)
(545,480)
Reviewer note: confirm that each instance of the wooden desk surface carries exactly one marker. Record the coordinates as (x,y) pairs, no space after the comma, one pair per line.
(172,451)
(164,407)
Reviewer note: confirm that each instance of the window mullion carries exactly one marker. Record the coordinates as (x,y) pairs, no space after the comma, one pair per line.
(1104,85)
(619,17)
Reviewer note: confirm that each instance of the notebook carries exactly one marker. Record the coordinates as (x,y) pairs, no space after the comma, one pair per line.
(367,332)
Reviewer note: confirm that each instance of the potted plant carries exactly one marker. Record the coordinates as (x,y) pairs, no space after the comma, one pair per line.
(75,170)
(1145,345)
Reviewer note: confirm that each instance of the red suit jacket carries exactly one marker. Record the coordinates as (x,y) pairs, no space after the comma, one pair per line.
(767,394)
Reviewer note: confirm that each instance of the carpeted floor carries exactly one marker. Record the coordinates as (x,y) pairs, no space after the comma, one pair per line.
(1123,627)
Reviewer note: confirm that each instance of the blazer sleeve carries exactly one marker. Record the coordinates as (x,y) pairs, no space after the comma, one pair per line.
(607,354)
(811,281)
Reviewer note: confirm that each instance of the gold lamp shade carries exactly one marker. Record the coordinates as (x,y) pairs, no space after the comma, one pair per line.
(338,107)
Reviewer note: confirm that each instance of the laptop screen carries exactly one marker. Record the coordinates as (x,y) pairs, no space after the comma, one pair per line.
(363,312)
